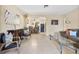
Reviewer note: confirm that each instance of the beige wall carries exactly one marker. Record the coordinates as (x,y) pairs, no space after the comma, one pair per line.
(49,29)
(12,9)
(73,18)
(2,22)
(31,20)
(52,29)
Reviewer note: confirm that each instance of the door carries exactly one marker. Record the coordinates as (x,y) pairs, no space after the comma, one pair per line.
(42,27)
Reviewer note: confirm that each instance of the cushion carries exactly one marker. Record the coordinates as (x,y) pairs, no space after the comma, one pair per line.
(13,45)
(67,32)
(78,33)
(73,33)
(2,37)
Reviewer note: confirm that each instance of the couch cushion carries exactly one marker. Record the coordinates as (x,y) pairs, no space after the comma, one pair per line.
(73,33)
(78,33)
(2,37)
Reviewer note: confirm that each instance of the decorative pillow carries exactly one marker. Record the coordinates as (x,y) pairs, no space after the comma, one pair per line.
(67,32)
(73,33)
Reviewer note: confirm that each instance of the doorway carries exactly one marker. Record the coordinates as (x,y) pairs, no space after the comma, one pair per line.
(42,27)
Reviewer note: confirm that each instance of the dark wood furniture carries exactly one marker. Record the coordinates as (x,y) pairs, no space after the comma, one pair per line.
(20,33)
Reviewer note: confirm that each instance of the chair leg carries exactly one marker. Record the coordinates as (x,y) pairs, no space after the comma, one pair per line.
(19,43)
(0,51)
(76,51)
(50,37)
(61,48)
(18,48)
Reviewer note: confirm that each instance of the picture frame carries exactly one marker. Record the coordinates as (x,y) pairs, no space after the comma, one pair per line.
(54,22)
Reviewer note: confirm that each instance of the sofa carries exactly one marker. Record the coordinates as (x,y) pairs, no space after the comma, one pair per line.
(71,40)
(66,34)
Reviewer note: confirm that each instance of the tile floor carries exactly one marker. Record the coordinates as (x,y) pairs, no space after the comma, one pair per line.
(38,44)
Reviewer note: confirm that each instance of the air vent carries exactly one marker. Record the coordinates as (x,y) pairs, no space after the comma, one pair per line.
(45,6)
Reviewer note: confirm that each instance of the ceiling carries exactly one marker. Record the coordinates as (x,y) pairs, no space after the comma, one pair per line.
(50,10)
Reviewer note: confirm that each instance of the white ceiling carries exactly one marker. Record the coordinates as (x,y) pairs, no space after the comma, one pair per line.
(50,10)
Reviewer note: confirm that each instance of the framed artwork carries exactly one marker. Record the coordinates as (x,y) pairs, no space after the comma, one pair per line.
(54,22)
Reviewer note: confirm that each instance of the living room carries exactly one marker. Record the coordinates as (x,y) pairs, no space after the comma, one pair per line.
(40,20)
